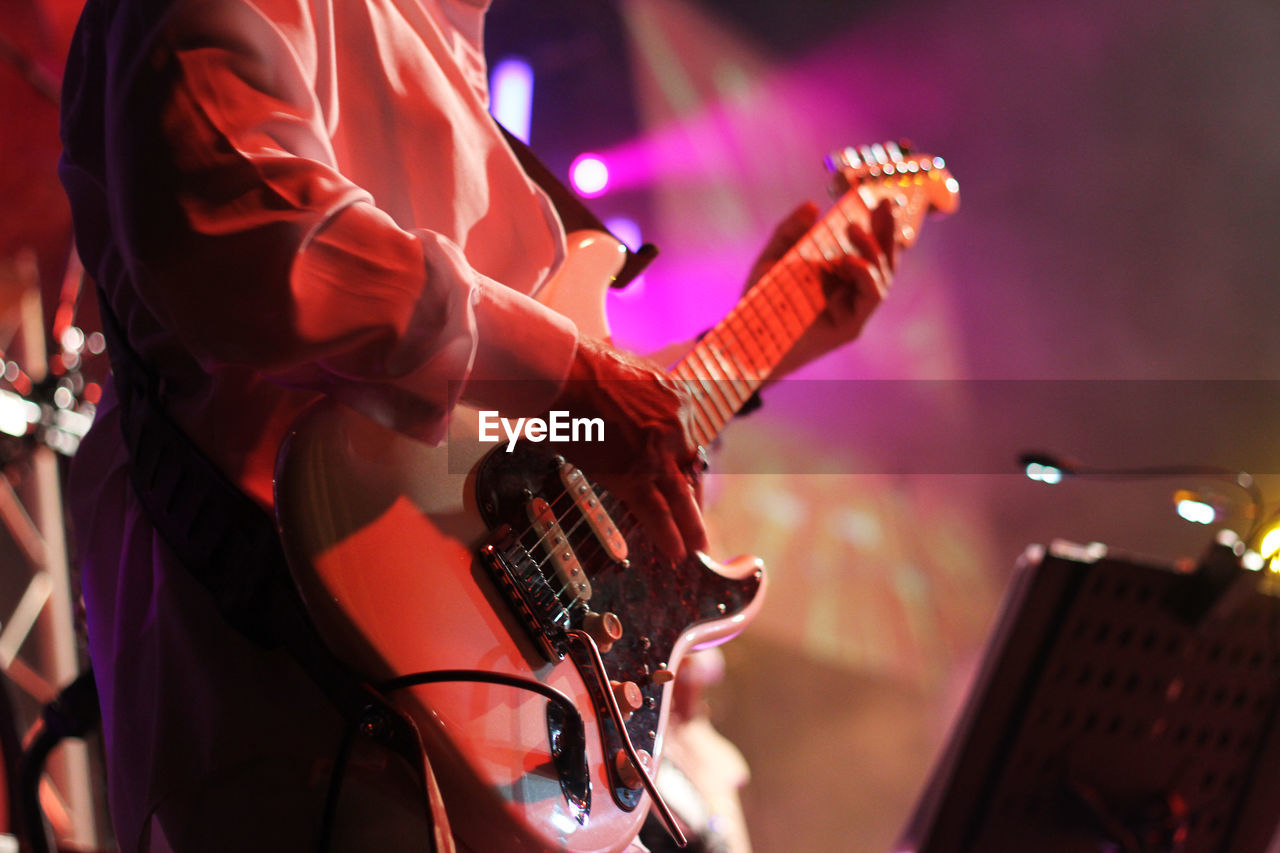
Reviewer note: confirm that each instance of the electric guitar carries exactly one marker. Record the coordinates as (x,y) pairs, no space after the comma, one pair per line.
(511,608)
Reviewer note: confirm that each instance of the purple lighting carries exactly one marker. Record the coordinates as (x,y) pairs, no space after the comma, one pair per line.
(511,96)
(590,175)
(625,230)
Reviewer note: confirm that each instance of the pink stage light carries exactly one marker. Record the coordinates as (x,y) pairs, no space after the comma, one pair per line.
(590,175)
(511,96)
(626,230)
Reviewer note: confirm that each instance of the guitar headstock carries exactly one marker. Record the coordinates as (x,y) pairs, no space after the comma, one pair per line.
(918,183)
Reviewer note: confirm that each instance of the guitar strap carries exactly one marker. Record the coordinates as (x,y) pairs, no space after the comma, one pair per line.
(229,544)
(574,215)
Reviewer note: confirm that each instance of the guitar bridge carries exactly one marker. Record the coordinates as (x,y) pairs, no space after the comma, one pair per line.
(527,590)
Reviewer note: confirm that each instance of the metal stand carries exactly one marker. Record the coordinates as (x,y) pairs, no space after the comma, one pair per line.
(38,647)
(1121,707)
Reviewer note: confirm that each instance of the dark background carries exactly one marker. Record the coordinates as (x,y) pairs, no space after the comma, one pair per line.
(1108,281)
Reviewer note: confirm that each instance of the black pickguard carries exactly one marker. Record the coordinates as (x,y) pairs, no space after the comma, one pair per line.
(656,599)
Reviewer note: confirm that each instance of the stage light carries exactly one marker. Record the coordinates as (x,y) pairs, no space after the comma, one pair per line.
(1270,548)
(511,96)
(17,414)
(590,175)
(1042,473)
(1197,512)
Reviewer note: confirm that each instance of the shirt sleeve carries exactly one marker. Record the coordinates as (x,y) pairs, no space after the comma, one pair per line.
(245,239)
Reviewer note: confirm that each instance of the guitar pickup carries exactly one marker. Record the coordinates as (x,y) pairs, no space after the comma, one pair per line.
(598,518)
(560,554)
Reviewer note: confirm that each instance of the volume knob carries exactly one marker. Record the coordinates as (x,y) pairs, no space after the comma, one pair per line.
(630,776)
(604,628)
(628,696)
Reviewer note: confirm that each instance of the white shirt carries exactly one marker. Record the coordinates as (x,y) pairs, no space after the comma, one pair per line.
(282,199)
(309,194)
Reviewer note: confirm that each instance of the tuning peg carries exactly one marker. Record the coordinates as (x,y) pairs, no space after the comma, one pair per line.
(842,159)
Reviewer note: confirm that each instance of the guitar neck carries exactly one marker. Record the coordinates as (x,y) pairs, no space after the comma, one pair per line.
(744,349)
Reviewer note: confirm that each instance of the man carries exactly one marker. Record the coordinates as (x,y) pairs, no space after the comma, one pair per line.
(285,200)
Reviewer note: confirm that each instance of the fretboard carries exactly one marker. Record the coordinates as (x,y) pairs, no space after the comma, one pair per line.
(743,350)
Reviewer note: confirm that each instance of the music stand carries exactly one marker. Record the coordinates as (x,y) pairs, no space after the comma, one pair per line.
(1121,706)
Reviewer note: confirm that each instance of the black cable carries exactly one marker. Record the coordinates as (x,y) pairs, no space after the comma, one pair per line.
(30,769)
(416,679)
(10,749)
(73,713)
(330,812)
(1242,480)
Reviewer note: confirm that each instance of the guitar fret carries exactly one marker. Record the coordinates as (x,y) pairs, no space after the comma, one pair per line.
(752,345)
(729,326)
(760,327)
(722,405)
(715,340)
(703,433)
(808,285)
(839,237)
(702,419)
(731,373)
(784,311)
(692,385)
(723,389)
(779,338)
(809,254)
(784,306)
(736,357)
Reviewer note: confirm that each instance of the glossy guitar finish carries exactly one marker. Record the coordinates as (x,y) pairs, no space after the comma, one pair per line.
(411,559)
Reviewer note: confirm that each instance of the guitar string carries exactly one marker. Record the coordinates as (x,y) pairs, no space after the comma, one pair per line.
(773,279)
(717,385)
(552,505)
(807,297)
(703,399)
(708,384)
(754,380)
(771,284)
(764,333)
(732,372)
(700,414)
(583,557)
(713,337)
(748,340)
(753,296)
(711,346)
(627,522)
(779,297)
(705,433)
(540,542)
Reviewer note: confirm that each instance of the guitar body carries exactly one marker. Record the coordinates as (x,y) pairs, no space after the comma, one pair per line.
(386,539)
(468,561)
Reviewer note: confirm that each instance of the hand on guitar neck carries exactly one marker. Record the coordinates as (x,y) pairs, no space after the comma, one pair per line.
(650,455)
(855,282)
